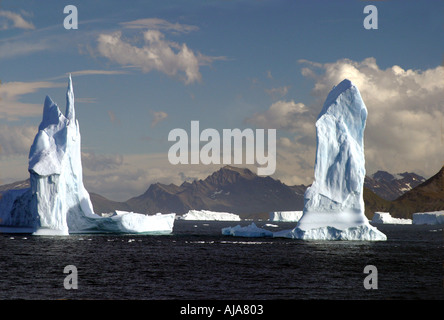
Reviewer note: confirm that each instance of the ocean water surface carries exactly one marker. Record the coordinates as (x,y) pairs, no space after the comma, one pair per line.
(197,262)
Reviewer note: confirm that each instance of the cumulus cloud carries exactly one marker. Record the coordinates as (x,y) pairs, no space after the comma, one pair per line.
(284,115)
(156,53)
(295,155)
(404,129)
(14,20)
(295,160)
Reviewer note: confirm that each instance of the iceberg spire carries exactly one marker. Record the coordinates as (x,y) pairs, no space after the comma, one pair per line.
(334,204)
(70,113)
(56,170)
(57,202)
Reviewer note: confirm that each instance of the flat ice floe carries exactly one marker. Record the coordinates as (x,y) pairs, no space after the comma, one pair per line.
(386,218)
(250,231)
(431,218)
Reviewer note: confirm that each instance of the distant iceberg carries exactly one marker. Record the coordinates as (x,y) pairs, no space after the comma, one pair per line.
(250,231)
(285,216)
(431,218)
(128,222)
(386,218)
(57,202)
(209,215)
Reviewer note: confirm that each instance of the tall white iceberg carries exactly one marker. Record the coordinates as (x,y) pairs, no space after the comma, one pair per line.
(334,204)
(55,167)
(57,202)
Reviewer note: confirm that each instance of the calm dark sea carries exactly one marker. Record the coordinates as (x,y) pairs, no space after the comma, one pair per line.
(197,262)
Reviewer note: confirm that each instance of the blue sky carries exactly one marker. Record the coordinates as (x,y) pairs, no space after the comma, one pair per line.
(228,64)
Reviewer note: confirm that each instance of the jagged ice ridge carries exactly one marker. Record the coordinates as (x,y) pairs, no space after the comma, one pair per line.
(57,202)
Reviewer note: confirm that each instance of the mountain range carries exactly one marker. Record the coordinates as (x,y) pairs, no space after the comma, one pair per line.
(428,196)
(391,187)
(240,191)
(230,189)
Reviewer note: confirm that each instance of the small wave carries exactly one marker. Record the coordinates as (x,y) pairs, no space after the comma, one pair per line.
(247,242)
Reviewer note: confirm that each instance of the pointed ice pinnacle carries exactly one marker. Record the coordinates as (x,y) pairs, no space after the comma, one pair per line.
(58,194)
(70,111)
(334,204)
(57,202)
